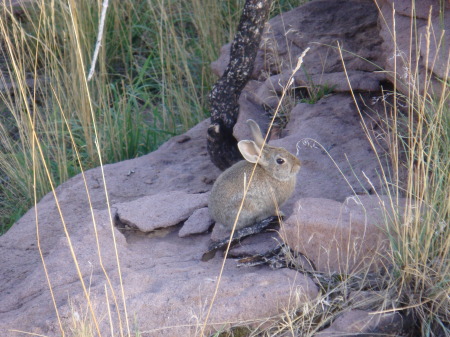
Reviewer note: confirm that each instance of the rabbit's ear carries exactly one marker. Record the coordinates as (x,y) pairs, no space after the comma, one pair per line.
(250,151)
(256,132)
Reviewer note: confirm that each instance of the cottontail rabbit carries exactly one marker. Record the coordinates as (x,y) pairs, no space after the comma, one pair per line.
(272,184)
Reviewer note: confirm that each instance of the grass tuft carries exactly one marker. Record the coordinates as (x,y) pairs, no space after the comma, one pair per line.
(151,81)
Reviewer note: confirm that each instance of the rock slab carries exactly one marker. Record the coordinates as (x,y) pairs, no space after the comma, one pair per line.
(160,210)
(340,237)
(167,289)
(429,38)
(363,323)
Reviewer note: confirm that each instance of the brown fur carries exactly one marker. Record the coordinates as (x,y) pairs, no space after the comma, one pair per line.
(272,184)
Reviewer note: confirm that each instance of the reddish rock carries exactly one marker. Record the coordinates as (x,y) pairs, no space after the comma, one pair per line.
(167,288)
(411,71)
(340,237)
(421,8)
(356,322)
(160,210)
(337,158)
(436,47)
(199,222)
(351,23)
(218,66)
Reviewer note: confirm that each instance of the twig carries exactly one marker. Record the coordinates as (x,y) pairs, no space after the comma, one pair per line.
(99,39)
(237,236)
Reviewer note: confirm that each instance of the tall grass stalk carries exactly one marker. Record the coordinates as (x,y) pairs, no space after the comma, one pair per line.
(246,188)
(55,124)
(417,282)
(151,81)
(418,128)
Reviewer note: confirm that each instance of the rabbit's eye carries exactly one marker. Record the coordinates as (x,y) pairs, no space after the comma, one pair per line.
(280,161)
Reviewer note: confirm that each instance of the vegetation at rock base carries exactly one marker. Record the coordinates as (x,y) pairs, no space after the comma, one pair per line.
(151,82)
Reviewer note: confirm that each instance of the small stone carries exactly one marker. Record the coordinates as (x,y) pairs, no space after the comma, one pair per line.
(198,222)
(160,210)
(359,321)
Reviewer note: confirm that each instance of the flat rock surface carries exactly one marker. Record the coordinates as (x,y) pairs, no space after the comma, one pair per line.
(340,237)
(167,288)
(421,8)
(437,51)
(431,43)
(336,155)
(160,210)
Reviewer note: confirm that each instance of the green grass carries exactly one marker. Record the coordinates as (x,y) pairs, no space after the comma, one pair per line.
(420,238)
(151,82)
(419,129)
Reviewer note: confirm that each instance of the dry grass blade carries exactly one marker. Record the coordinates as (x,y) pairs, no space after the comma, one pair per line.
(285,89)
(61,125)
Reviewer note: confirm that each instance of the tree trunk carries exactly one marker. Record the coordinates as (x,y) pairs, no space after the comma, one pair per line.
(222,146)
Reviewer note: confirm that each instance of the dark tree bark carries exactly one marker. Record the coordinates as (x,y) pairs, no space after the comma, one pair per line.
(222,146)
